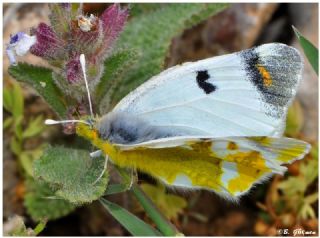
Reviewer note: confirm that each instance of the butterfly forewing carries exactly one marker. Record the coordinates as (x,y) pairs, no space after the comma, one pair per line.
(240,94)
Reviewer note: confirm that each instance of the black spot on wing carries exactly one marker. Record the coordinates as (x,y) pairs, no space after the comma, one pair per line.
(202,77)
(251,59)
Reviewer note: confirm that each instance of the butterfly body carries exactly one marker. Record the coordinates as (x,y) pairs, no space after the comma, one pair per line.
(214,124)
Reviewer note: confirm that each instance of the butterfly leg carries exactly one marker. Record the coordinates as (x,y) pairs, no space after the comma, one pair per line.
(104,169)
(133,178)
(96,154)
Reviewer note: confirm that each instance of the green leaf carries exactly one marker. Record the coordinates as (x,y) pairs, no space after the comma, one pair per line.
(144,8)
(171,205)
(42,203)
(35,127)
(8,99)
(18,127)
(309,171)
(27,157)
(7,122)
(151,34)
(40,79)
(306,212)
(18,101)
(309,49)
(26,162)
(116,188)
(39,228)
(133,224)
(114,67)
(72,173)
(15,146)
(153,212)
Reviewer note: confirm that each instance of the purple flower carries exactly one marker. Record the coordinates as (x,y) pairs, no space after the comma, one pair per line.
(113,19)
(48,45)
(20,44)
(70,35)
(73,70)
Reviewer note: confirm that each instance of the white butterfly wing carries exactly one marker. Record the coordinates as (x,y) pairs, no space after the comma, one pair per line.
(241,94)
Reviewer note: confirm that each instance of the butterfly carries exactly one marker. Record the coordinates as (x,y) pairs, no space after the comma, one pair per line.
(214,124)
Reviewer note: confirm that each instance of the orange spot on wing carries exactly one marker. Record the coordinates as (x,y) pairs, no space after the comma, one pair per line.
(267,80)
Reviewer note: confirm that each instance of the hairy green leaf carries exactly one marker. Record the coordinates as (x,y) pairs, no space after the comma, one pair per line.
(72,173)
(40,79)
(309,49)
(144,8)
(150,34)
(133,224)
(114,67)
(42,203)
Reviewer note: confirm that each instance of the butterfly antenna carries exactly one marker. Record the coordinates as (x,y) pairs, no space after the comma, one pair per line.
(53,122)
(83,66)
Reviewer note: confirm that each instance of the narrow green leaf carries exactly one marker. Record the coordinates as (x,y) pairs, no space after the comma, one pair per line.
(15,146)
(18,101)
(40,227)
(312,198)
(116,188)
(7,122)
(18,127)
(309,49)
(26,162)
(8,99)
(35,127)
(133,224)
(157,217)
(41,80)
(150,35)
(73,174)
(42,203)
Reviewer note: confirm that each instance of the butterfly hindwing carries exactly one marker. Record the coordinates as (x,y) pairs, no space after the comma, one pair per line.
(227,166)
(241,94)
